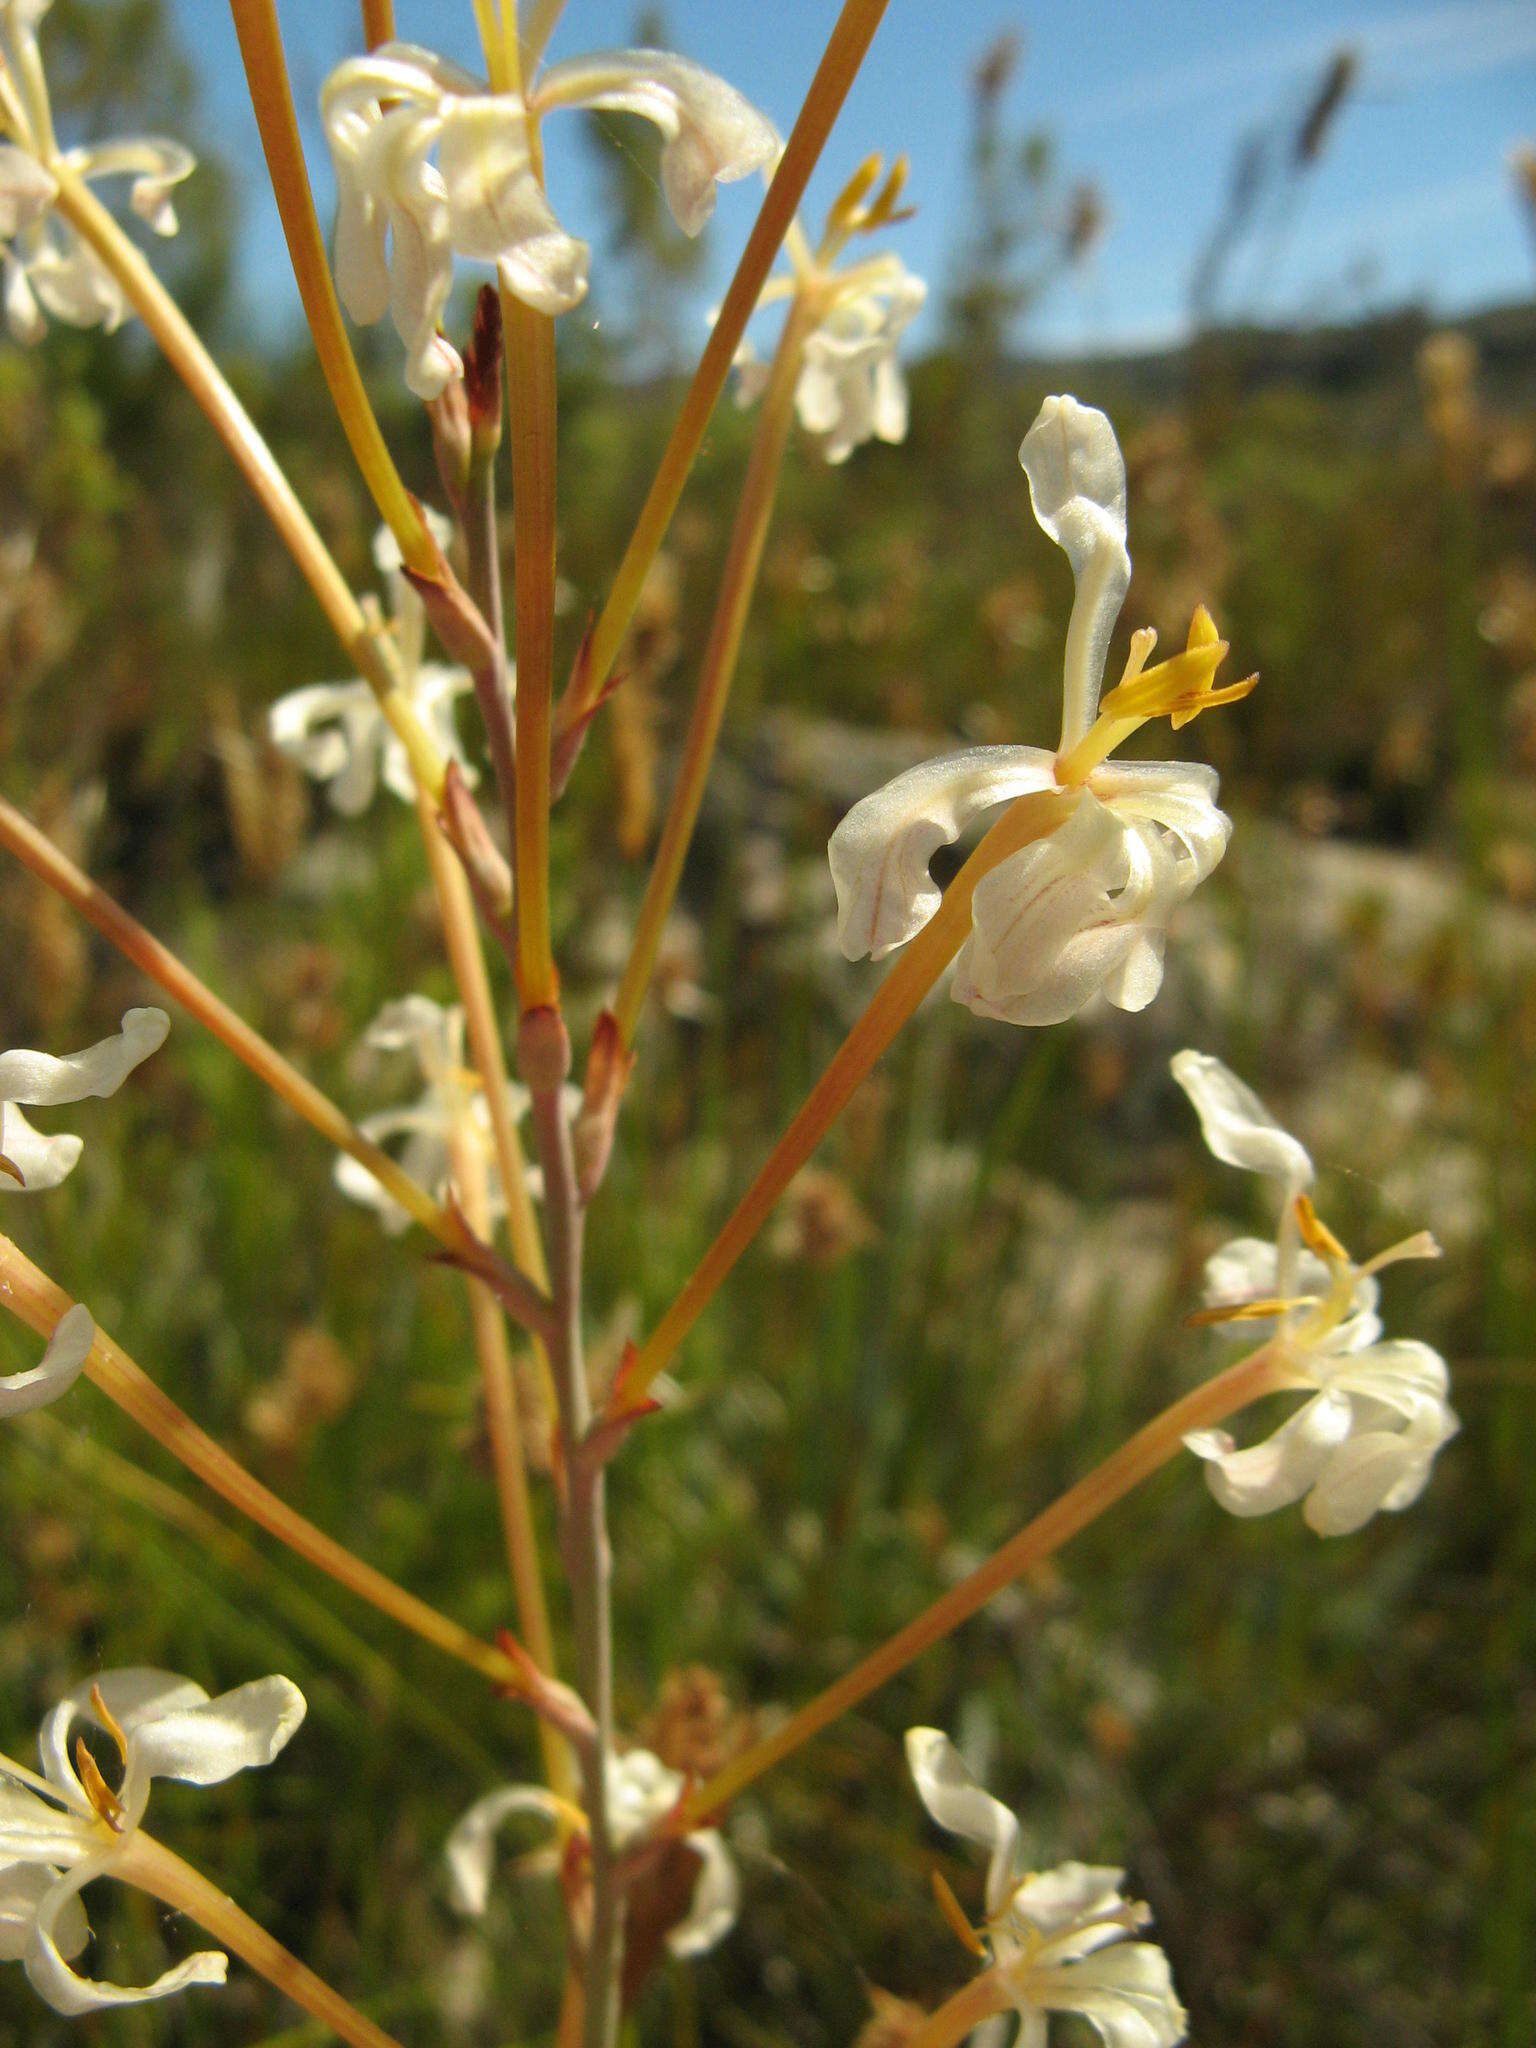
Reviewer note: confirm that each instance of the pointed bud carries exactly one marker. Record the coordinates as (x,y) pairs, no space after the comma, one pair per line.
(482,374)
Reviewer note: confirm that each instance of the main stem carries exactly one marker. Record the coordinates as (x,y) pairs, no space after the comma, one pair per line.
(961,2014)
(738,581)
(896,999)
(584,1528)
(1261,1372)
(36,1301)
(153,1868)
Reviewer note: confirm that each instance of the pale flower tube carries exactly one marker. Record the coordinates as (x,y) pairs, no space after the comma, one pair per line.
(1379,1414)
(1083,913)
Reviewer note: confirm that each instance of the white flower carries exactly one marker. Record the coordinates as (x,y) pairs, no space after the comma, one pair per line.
(642,1791)
(31,1161)
(450,1110)
(61,1364)
(60,1832)
(1084,911)
(337,733)
(850,389)
(1379,1413)
(430,163)
(1057,1938)
(46,264)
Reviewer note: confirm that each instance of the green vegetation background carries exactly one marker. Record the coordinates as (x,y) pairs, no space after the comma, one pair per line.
(1316,1759)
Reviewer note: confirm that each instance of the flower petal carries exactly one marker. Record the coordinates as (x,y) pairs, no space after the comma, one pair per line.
(716,1897)
(23,1887)
(1280,1470)
(712,134)
(208,1741)
(470,1849)
(130,1694)
(42,1159)
(59,1986)
(881,850)
(1237,1127)
(1178,796)
(962,1807)
(1125,1991)
(61,1365)
(38,1078)
(1077,486)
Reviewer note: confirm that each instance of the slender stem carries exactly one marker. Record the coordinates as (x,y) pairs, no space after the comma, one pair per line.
(492,679)
(896,999)
(378,22)
(266,72)
(22,838)
(850,39)
(530,345)
(738,582)
(153,1868)
(1261,1372)
(35,1300)
(507,1462)
(969,2006)
(584,1528)
(187,356)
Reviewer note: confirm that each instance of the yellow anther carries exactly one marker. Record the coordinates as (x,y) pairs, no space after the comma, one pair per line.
(1247,1311)
(843,215)
(882,208)
(1178,689)
(1316,1235)
(97,1790)
(950,1907)
(109,1721)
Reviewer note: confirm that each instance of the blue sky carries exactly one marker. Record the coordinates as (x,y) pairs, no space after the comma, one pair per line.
(1413,200)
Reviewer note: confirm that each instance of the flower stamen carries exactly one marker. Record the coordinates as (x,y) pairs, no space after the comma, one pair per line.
(1178,689)
(105,1801)
(954,1914)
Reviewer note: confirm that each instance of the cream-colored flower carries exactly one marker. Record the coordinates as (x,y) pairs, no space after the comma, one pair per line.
(337,733)
(430,164)
(851,388)
(642,1791)
(1084,911)
(46,265)
(451,1110)
(1379,1412)
(1055,1939)
(61,1831)
(32,1161)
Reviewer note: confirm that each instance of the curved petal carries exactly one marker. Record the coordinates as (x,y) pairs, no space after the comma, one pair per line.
(470,1849)
(130,1694)
(712,133)
(962,1807)
(211,1740)
(1077,487)
(1047,934)
(60,1366)
(156,165)
(881,850)
(38,1078)
(22,314)
(43,1159)
(23,1887)
(1362,1476)
(1280,1470)
(1078,1898)
(26,189)
(1237,1127)
(1125,1991)
(642,1791)
(716,1897)
(1178,796)
(72,283)
(59,1986)
(498,212)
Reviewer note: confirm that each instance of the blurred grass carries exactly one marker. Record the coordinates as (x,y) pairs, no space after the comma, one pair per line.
(1316,1759)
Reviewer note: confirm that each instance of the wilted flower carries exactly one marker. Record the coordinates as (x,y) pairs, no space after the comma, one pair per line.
(1055,1939)
(1085,910)
(1379,1413)
(31,1161)
(46,263)
(642,1792)
(451,1110)
(337,733)
(850,388)
(60,1832)
(431,163)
